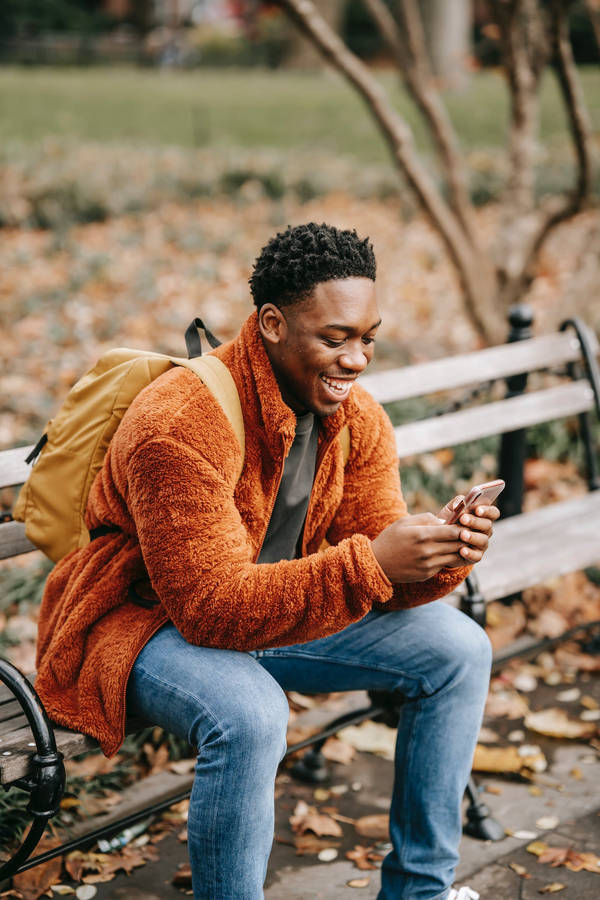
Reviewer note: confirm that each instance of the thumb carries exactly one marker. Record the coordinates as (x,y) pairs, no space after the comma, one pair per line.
(446,511)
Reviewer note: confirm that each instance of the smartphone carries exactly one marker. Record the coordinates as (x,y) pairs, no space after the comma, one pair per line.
(479,495)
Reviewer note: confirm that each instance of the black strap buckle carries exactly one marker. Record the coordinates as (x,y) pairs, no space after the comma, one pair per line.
(192,338)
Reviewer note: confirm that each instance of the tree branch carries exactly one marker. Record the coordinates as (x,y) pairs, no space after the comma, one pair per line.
(472,267)
(412,58)
(579,125)
(579,121)
(558,210)
(513,21)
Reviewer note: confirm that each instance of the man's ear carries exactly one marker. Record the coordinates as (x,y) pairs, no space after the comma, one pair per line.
(272,324)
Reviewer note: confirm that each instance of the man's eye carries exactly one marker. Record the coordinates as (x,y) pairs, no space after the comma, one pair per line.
(368,340)
(331,343)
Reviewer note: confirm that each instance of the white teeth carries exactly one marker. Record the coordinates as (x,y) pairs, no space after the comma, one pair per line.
(340,387)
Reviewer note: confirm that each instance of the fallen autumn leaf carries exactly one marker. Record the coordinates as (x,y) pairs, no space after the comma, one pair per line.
(376,827)
(35,882)
(555,722)
(307,818)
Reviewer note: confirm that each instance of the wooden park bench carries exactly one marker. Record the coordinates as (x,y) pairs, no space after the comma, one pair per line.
(527,549)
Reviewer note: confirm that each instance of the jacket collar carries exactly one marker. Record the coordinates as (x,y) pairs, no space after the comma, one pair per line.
(260,393)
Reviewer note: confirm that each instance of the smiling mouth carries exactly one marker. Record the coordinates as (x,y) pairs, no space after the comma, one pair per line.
(338,386)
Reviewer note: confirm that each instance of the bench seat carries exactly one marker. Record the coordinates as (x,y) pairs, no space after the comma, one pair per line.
(17,744)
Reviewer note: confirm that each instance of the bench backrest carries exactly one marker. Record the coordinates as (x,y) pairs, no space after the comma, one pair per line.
(547,352)
(551,351)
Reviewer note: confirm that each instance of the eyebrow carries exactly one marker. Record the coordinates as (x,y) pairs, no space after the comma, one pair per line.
(348,329)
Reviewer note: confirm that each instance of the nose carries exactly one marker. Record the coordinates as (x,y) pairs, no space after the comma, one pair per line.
(355,358)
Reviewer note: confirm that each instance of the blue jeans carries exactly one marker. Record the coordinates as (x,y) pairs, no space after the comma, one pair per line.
(231,706)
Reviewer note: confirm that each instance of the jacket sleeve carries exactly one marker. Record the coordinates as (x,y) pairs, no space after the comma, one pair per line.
(372,500)
(200,563)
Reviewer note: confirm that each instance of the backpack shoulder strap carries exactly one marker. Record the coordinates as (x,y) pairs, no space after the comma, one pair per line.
(219,380)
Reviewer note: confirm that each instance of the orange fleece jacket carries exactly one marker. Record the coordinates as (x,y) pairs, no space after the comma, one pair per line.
(169,483)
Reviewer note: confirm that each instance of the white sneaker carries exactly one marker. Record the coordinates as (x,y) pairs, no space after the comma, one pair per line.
(463,893)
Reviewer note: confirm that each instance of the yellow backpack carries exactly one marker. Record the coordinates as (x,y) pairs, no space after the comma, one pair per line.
(53,501)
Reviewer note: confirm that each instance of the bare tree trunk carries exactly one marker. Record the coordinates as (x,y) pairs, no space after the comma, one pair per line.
(491,278)
(447,25)
(407,44)
(476,275)
(302,53)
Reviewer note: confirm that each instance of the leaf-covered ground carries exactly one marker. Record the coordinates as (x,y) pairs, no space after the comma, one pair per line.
(66,295)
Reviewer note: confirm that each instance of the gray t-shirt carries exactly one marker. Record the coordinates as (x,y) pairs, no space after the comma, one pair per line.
(287,520)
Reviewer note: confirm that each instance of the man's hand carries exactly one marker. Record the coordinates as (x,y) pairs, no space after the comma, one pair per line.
(480,525)
(415,548)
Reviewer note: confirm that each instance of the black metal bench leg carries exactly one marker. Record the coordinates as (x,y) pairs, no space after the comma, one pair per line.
(480,823)
(312,766)
(47,781)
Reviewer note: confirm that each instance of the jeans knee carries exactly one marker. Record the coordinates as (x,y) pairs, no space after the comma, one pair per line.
(471,647)
(262,727)
(479,645)
(251,721)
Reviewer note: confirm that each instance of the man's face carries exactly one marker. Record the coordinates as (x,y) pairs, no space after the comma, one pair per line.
(319,346)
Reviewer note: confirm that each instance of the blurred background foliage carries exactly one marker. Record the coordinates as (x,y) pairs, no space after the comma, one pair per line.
(266,38)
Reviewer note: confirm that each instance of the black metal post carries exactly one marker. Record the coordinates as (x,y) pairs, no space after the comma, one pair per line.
(591,464)
(589,364)
(512,444)
(480,823)
(473,602)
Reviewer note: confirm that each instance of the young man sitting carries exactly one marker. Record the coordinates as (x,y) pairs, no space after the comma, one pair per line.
(305,573)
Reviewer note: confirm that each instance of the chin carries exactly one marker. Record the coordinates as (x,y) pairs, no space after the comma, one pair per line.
(329,410)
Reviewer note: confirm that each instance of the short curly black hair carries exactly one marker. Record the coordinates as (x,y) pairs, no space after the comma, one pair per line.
(290,266)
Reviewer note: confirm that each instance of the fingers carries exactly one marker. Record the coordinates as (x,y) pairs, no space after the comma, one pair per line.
(471,555)
(476,539)
(442,533)
(483,520)
(454,561)
(470,546)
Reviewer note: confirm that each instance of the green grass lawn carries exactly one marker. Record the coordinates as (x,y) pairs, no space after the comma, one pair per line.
(246,108)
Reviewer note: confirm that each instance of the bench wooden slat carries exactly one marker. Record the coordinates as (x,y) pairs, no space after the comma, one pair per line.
(7,711)
(13,541)
(11,714)
(17,736)
(494,418)
(13,468)
(558,539)
(6,694)
(465,369)
(70,744)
